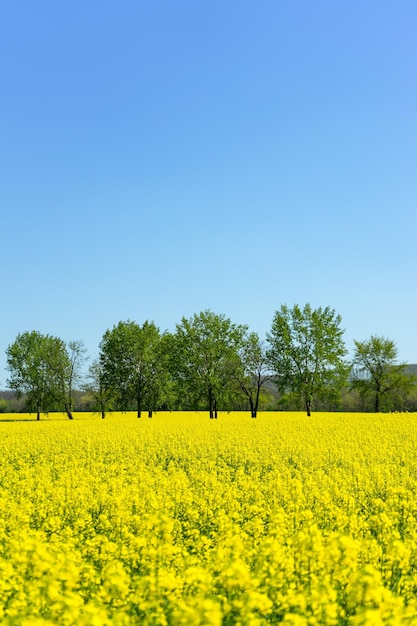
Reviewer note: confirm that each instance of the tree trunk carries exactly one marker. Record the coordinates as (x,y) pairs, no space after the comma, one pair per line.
(150,413)
(254,406)
(210,402)
(68,411)
(38,413)
(102,406)
(377,402)
(215,408)
(308,399)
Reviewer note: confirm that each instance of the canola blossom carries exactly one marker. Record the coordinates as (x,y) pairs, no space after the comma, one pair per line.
(184,520)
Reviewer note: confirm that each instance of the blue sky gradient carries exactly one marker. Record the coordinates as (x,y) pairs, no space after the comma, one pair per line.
(161,158)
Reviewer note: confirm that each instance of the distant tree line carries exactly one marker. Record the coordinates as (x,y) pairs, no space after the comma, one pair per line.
(210,363)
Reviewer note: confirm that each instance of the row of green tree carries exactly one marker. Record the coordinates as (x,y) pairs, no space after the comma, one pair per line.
(210,363)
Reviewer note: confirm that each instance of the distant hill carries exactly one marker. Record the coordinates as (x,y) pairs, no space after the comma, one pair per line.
(7,394)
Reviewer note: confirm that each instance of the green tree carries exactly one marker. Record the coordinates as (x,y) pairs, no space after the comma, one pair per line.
(377,375)
(251,370)
(307,352)
(34,361)
(201,351)
(132,369)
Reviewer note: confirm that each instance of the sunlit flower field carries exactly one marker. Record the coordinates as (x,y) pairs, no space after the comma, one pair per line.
(184,520)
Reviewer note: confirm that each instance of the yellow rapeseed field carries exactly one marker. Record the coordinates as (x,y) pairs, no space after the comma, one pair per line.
(184,520)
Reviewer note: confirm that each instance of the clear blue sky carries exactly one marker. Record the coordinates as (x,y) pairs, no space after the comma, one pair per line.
(161,158)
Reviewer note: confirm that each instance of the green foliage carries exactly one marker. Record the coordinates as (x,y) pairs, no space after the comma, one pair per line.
(42,368)
(209,362)
(377,376)
(30,361)
(201,352)
(307,352)
(132,363)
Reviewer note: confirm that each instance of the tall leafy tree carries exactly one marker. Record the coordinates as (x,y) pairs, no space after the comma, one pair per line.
(377,375)
(308,353)
(202,349)
(129,358)
(38,366)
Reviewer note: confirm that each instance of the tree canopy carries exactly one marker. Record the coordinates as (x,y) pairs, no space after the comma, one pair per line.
(377,375)
(202,349)
(41,367)
(308,353)
(131,364)
(210,363)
